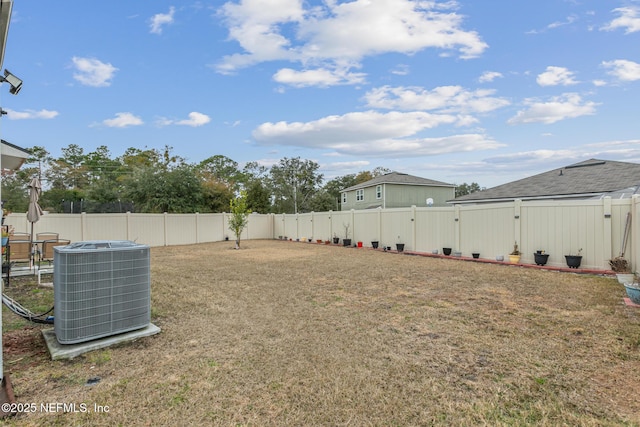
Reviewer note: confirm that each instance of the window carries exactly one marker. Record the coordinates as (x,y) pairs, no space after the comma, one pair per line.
(359,195)
(378,191)
(344,197)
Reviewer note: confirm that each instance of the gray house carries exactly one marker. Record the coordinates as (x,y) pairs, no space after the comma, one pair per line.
(590,179)
(396,190)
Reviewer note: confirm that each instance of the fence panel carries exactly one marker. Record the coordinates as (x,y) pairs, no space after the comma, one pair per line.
(397,228)
(259,227)
(434,229)
(366,227)
(342,224)
(210,227)
(557,227)
(305,225)
(563,228)
(147,229)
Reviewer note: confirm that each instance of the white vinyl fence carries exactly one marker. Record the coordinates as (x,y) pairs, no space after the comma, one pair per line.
(557,227)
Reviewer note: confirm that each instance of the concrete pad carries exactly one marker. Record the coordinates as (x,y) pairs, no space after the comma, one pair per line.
(69,351)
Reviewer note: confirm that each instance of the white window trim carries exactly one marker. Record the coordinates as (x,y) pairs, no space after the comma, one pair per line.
(359,195)
(378,192)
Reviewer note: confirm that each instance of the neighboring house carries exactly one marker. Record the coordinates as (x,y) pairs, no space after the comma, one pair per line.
(396,190)
(590,179)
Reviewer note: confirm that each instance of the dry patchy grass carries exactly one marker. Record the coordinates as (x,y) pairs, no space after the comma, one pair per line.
(282,333)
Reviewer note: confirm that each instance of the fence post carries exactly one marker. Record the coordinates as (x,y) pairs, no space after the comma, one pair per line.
(413,228)
(197,227)
(379,226)
(166,229)
(517,205)
(606,230)
(128,217)
(635,234)
(456,228)
(83,225)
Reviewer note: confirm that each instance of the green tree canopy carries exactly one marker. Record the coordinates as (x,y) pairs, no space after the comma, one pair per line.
(464,189)
(294,181)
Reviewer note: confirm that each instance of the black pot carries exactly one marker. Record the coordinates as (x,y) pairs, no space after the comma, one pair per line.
(573,261)
(476,255)
(346,242)
(336,240)
(446,251)
(374,244)
(541,259)
(400,247)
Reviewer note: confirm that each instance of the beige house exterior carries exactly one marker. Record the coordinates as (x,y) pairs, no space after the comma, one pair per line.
(396,190)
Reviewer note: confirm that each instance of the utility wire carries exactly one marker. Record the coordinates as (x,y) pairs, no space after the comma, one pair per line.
(25,313)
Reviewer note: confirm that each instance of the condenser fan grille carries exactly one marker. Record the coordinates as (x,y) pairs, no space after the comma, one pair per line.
(100,289)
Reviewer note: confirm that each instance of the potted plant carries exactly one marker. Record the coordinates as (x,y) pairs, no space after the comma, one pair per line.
(346,241)
(336,239)
(446,251)
(514,256)
(399,246)
(5,236)
(620,266)
(475,255)
(5,212)
(573,261)
(541,257)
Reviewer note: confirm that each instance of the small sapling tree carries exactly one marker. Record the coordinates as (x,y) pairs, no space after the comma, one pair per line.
(239,215)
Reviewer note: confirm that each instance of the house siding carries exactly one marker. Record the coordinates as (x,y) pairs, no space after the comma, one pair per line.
(399,196)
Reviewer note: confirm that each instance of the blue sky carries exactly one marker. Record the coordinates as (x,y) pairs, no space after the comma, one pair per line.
(457,91)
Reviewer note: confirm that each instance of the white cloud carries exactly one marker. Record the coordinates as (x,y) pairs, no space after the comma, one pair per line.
(446,99)
(401,70)
(629,19)
(556,24)
(534,156)
(566,106)
(195,120)
(346,166)
(546,158)
(31,114)
(158,21)
(319,77)
(373,133)
(623,70)
(123,120)
(489,76)
(340,34)
(93,72)
(555,76)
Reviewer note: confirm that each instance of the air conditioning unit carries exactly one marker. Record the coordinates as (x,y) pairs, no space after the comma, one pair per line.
(101,288)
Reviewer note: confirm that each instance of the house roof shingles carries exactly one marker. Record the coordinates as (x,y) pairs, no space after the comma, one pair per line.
(398,178)
(590,177)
